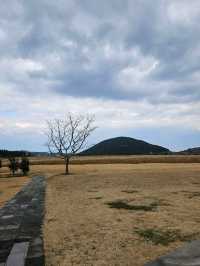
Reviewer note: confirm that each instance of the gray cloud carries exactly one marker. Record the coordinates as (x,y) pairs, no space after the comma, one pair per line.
(84,47)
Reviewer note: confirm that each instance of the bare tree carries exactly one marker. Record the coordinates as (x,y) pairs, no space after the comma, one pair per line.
(68,136)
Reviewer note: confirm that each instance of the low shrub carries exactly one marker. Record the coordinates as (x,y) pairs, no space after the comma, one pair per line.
(24,165)
(13,165)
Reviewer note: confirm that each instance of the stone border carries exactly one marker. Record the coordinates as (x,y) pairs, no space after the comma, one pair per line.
(20,226)
(188,255)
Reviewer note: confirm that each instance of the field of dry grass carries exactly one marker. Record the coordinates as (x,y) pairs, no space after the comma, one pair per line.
(115,214)
(115,159)
(120,159)
(119,214)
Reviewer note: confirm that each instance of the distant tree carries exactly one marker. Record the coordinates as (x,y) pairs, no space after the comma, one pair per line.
(24,165)
(0,163)
(66,137)
(13,165)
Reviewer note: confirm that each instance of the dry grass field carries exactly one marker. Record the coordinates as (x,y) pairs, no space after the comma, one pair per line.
(119,214)
(120,159)
(115,214)
(127,159)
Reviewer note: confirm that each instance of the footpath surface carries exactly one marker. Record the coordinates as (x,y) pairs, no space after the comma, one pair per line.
(21,241)
(188,255)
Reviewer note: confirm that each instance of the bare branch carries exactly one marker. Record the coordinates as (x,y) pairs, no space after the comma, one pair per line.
(67,137)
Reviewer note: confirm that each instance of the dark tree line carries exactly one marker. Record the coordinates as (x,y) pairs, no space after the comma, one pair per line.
(8,154)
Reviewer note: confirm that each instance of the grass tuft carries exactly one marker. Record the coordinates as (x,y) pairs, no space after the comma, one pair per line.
(130,191)
(194,195)
(164,237)
(96,198)
(119,204)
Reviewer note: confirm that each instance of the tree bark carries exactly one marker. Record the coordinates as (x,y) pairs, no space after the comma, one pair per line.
(66,165)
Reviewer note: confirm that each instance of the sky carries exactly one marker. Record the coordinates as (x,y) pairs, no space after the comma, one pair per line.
(134,64)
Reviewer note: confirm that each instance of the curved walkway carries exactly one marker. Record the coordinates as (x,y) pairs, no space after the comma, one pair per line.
(21,218)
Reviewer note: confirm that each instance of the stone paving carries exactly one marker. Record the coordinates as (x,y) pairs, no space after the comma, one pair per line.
(21,219)
(188,255)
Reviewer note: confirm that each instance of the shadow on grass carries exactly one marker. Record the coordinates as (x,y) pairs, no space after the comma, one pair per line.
(195,183)
(191,194)
(130,191)
(96,198)
(51,177)
(164,237)
(194,195)
(119,204)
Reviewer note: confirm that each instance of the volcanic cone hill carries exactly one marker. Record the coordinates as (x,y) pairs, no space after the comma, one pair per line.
(124,146)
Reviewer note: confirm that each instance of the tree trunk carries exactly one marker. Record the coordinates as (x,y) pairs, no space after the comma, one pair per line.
(66,165)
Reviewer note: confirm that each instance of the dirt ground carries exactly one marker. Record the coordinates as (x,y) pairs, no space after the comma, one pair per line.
(9,185)
(80,228)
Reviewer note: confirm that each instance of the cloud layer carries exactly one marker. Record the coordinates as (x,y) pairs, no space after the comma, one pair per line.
(133,63)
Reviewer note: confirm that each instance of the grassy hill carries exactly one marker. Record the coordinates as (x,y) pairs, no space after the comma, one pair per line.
(124,146)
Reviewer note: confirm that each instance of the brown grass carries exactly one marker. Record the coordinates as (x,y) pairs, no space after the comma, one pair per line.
(131,159)
(135,159)
(81,229)
(9,185)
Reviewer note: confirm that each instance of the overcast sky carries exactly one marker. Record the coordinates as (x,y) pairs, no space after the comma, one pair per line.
(135,64)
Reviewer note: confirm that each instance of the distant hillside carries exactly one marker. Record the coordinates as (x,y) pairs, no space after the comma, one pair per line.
(192,151)
(124,146)
(39,153)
